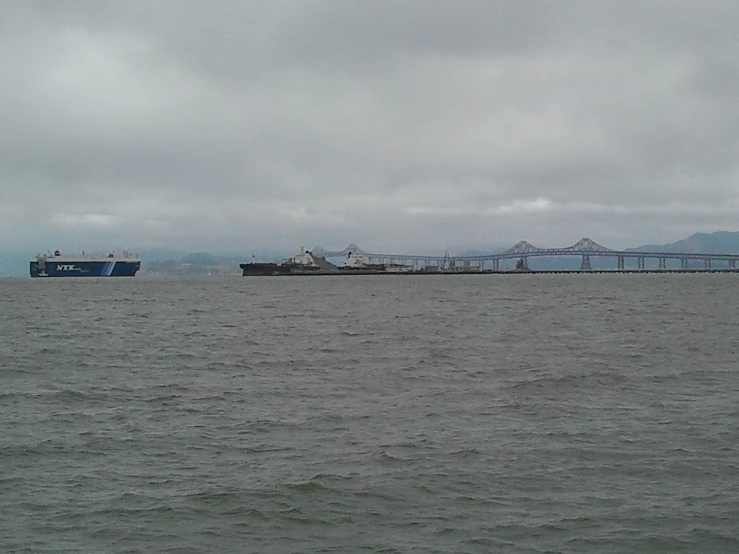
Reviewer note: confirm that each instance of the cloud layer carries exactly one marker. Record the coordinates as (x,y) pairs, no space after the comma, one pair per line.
(395,125)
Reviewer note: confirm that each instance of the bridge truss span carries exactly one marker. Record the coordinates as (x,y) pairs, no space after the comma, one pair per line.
(585,248)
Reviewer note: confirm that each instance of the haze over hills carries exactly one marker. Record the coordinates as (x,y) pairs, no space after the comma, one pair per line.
(203,263)
(720,242)
(14,263)
(198,263)
(168,261)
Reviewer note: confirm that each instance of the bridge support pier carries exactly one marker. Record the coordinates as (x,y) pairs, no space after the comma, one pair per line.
(707,263)
(496,264)
(640,262)
(683,263)
(663,263)
(621,263)
(732,264)
(585,264)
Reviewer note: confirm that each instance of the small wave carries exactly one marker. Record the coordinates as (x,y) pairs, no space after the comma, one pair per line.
(15,395)
(306,487)
(249,513)
(269,425)
(264,449)
(210,398)
(296,516)
(332,477)
(43,448)
(396,457)
(214,498)
(488,543)
(422,442)
(162,398)
(568,381)
(465,452)
(70,394)
(142,510)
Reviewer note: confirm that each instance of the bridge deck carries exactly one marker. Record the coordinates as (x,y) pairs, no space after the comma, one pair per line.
(503,272)
(584,247)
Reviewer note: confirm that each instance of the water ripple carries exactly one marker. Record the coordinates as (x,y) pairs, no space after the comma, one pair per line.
(546,414)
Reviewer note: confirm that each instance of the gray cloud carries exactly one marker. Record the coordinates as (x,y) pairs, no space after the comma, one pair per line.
(396,125)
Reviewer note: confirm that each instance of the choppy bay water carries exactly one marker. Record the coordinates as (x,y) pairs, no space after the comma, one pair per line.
(370,414)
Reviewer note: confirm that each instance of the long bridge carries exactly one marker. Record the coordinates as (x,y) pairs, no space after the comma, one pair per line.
(521,252)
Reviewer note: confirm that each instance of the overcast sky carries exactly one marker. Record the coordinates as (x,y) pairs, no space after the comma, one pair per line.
(398,125)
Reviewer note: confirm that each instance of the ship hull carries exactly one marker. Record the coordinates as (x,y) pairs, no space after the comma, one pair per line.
(84,268)
(257,269)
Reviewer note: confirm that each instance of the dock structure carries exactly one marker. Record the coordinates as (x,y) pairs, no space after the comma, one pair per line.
(587,249)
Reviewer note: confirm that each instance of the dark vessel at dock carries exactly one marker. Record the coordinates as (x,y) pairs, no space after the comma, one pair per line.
(301,264)
(305,263)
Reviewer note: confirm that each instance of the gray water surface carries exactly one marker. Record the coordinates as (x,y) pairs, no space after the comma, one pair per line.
(583,413)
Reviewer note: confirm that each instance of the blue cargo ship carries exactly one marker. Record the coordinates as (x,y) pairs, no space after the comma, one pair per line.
(70,265)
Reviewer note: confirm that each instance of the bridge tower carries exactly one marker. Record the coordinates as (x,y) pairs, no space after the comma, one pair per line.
(585,264)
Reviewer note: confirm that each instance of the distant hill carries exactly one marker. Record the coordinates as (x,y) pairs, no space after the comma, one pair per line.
(149,255)
(720,242)
(203,263)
